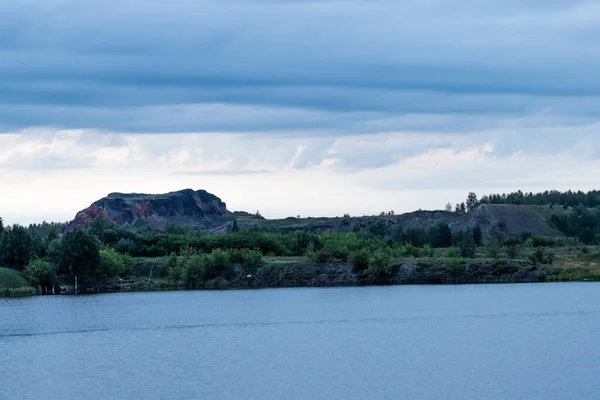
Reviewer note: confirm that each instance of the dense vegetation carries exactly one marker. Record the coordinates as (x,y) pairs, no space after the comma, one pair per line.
(87,259)
(552,197)
(582,220)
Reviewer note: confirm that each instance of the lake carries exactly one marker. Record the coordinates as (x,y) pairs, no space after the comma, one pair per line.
(521,341)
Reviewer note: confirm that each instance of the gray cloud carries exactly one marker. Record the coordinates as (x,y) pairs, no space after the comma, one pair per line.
(333,67)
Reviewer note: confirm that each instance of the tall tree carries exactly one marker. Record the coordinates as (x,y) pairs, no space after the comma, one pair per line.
(102,227)
(471,201)
(16,247)
(80,256)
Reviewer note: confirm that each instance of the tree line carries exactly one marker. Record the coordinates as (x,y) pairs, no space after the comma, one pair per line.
(568,198)
(84,258)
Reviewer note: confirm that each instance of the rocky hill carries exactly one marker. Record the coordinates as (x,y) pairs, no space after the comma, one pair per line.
(203,210)
(510,220)
(495,220)
(189,208)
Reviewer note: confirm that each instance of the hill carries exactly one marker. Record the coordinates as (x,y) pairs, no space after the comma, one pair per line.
(11,279)
(12,283)
(495,220)
(205,211)
(188,208)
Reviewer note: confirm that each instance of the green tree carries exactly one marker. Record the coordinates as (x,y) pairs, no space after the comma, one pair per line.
(217,264)
(477,235)
(466,244)
(234,226)
(80,256)
(175,269)
(380,268)
(252,260)
(471,201)
(40,274)
(16,247)
(101,226)
(111,264)
(359,260)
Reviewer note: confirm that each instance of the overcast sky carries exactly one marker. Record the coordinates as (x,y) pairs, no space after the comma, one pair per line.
(295,107)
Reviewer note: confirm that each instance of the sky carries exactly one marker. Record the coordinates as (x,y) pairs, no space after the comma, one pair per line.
(295,107)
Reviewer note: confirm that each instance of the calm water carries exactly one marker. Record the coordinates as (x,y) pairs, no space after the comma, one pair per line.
(500,342)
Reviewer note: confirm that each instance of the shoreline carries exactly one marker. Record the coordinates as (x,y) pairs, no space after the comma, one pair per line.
(310,274)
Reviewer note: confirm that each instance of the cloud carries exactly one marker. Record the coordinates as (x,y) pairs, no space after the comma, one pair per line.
(344,66)
(312,102)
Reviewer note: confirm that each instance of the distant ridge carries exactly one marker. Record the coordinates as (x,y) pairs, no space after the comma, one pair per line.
(200,209)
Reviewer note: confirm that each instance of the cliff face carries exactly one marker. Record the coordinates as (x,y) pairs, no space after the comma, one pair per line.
(182,208)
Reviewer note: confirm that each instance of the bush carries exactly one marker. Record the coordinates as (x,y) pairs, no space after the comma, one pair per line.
(411,251)
(126,246)
(512,251)
(493,250)
(39,274)
(452,252)
(322,256)
(174,268)
(359,260)
(252,260)
(195,271)
(111,263)
(218,264)
(541,241)
(467,247)
(541,256)
(340,253)
(380,268)
(427,251)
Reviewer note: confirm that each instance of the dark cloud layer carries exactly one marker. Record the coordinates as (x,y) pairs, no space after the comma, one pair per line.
(257,66)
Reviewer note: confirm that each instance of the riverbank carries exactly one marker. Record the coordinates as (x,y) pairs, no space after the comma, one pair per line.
(295,272)
(442,266)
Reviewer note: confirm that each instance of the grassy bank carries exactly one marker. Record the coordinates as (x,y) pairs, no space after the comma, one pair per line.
(13,284)
(437,266)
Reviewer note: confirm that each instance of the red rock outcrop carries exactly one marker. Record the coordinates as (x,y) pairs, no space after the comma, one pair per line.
(189,208)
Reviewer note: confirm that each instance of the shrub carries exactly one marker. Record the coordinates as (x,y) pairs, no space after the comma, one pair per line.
(176,273)
(252,259)
(126,246)
(467,247)
(340,253)
(512,251)
(359,260)
(217,263)
(411,251)
(322,256)
(427,251)
(380,268)
(541,256)
(195,271)
(39,274)
(111,263)
(493,250)
(452,252)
